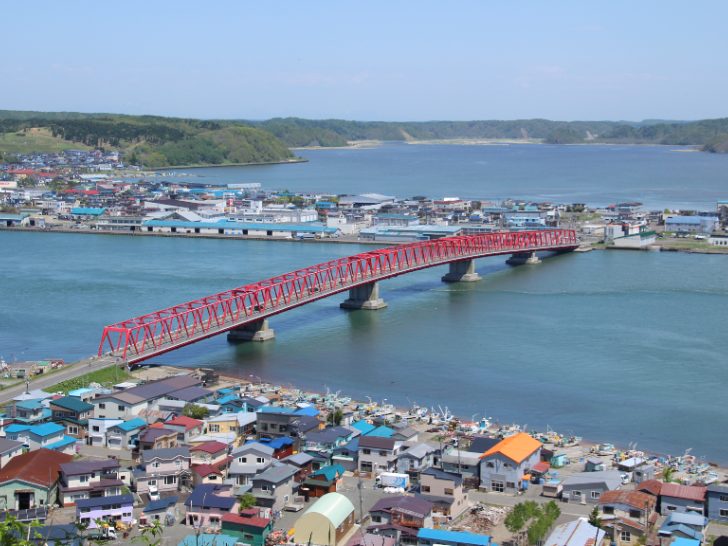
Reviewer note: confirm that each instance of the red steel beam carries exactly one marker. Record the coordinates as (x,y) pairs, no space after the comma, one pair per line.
(142,337)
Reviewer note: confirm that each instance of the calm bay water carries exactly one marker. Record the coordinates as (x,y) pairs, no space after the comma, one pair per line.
(614,346)
(659,176)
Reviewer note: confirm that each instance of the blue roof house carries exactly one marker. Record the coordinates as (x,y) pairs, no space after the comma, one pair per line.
(428,537)
(126,434)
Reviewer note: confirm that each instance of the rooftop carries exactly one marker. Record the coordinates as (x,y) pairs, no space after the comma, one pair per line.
(458,537)
(103,502)
(516,448)
(333,506)
(40,467)
(688,492)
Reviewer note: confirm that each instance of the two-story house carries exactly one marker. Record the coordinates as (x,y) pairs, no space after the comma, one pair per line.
(275,421)
(503,466)
(400,517)
(31,480)
(274,487)
(412,460)
(717,499)
(212,453)
(125,434)
(444,490)
(466,463)
(73,413)
(162,469)
(208,503)
(47,435)
(91,478)
(238,424)
(588,487)
(8,450)
(327,440)
(248,461)
(378,454)
(90,512)
(98,429)
(682,498)
(186,427)
(156,436)
(627,515)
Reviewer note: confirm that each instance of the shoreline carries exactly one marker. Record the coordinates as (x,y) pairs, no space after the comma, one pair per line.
(220,165)
(328,240)
(585,442)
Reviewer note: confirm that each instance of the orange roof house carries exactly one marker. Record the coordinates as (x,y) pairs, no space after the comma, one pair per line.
(517,448)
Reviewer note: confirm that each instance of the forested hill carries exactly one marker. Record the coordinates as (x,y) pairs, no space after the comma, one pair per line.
(150,141)
(712,135)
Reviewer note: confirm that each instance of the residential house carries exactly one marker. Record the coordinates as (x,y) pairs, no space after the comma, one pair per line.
(73,413)
(129,403)
(208,503)
(405,434)
(578,532)
(282,446)
(682,498)
(98,429)
(247,526)
(412,460)
(87,479)
(684,525)
(322,481)
(209,453)
(193,394)
(430,537)
(8,450)
(125,434)
(163,469)
(207,473)
(587,487)
(504,465)
(400,517)
(30,411)
(464,463)
(717,497)
(327,439)
(378,454)
(109,509)
(186,427)
(248,461)
(304,463)
(273,488)
(627,515)
(157,510)
(594,464)
(47,435)
(240,424)
(363,427)
(156,436)
(276,421)
(347,455)
(444,490)
(31,480)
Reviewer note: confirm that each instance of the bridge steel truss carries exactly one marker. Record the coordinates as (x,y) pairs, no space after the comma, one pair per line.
(143,337)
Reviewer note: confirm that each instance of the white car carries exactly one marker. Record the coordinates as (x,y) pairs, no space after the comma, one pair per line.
(153,493)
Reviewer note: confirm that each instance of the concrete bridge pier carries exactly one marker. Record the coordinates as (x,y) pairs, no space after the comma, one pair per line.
(365,296)
(253,331)
(462,271)
(524,258)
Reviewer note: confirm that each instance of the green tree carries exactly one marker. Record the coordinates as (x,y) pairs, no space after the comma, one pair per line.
(195,411)
(336,416)
(247,501)
(667,474)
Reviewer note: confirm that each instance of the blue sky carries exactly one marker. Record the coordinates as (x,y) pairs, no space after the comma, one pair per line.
(368,60)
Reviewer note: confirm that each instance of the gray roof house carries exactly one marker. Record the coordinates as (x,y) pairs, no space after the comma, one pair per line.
(273,488)
(588,486)
(416,458)
(247,462)
(717,496)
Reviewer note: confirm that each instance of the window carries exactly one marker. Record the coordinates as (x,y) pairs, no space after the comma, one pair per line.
(723,512)
(497,486)
(595,494)
(152,482)
(425,488)
(382,453)
(242,459)
(122,408)
(723,498)
(576,494)
(214,428)
(449,491)
(625,536)
(169,480)
(635,514)
(366,451)
(155,465)
(670,507)
(102,406)
(510,485)
(377,519)
(259,460)
(95,428)
(72,430)
(490,465)
(83,478)
(608,510)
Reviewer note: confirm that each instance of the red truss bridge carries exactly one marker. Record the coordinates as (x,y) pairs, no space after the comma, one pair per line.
(243,311)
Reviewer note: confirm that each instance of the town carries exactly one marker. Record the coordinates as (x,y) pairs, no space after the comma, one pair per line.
(217,460)
(95,192)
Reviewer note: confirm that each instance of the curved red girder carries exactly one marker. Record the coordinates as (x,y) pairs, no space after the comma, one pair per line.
(143,337)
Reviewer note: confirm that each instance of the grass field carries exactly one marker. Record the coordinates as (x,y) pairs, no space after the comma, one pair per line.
(106,377)
(36,140)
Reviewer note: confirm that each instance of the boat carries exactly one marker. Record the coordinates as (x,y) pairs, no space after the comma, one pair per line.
(605,449)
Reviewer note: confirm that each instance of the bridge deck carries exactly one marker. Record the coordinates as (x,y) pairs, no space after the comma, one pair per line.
(143,337)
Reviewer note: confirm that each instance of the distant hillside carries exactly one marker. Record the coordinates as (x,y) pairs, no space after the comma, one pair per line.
(712,135)
(150,141)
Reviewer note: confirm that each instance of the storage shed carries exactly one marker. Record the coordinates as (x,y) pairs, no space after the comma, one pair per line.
(326,522)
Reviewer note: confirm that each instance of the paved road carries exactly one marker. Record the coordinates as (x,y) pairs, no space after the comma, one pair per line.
(44,381)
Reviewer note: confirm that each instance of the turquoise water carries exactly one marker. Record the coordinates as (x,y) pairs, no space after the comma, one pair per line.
(659,176)
(614,346)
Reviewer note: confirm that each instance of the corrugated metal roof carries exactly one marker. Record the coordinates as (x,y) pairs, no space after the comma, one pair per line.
(226,224)
(333,506)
